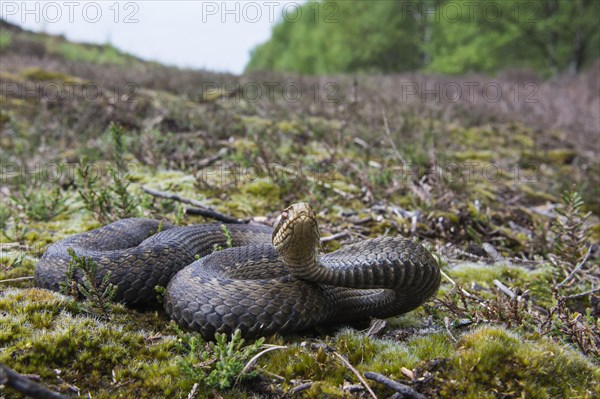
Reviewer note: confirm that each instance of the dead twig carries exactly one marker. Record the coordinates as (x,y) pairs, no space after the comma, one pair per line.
(491,251)
(200,209)
(257,356)
(406,391)
(193,392)
(447,324)
(250,362)
(465,292)
(24,385)
(377,327)
(206,162)
(301,387)
(579,266)
(582,294)
(355,371)
(505,289)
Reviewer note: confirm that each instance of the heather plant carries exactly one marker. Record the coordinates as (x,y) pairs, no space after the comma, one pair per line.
(97,294)
(218,363)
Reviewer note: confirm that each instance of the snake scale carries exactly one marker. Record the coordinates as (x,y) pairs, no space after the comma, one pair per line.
(270,281)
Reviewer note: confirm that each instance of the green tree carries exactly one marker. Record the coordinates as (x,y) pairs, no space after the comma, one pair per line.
(549,36)
(342,36)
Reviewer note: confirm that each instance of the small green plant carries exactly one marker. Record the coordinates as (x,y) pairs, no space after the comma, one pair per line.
(5,40)
(40,205)
(124,204)
(100,295)
(228,240)
(180,214)
(15,231)
(231,359)
(68,287)
(572,237)
(218,363)
(106,204)
(95,200)
(572,327)
(117,137)
(564,320)
(4,217)
(160,292)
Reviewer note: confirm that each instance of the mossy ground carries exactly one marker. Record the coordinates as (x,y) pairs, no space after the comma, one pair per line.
(458,183)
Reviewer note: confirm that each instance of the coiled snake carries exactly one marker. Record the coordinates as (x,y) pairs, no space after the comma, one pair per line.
(270,281)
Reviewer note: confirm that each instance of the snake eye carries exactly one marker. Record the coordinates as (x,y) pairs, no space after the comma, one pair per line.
(280,218)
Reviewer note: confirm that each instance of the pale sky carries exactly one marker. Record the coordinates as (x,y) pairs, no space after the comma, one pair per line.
(202,34)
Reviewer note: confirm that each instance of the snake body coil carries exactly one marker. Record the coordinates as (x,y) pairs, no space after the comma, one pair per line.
(270,281)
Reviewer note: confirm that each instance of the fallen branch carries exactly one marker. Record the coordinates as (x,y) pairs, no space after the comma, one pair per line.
(333,237)
(355,371)
(301,387)
(14,280)
(210,214)
(25,386)
(200,208)
(406,391)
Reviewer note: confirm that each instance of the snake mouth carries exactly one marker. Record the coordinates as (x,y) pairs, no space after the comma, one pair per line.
(297,222)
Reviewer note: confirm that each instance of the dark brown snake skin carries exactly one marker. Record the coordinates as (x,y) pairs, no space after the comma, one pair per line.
(271,281)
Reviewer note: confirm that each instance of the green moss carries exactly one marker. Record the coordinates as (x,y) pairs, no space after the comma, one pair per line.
(452,217)
(255,195)
(492,362)
(385,356)
(4,118)
(407,320)
(41,331)
(14,264)
(261,188)
(534,194)
(595,232)
(433,346)
(289,127)
(381,228)
(484,275)
(325,390)
(561,156)
(303,363)
(42,75)
(256,124)
(483,155)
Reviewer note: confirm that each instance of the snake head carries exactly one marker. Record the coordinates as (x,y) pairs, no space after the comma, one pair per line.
(296,230)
